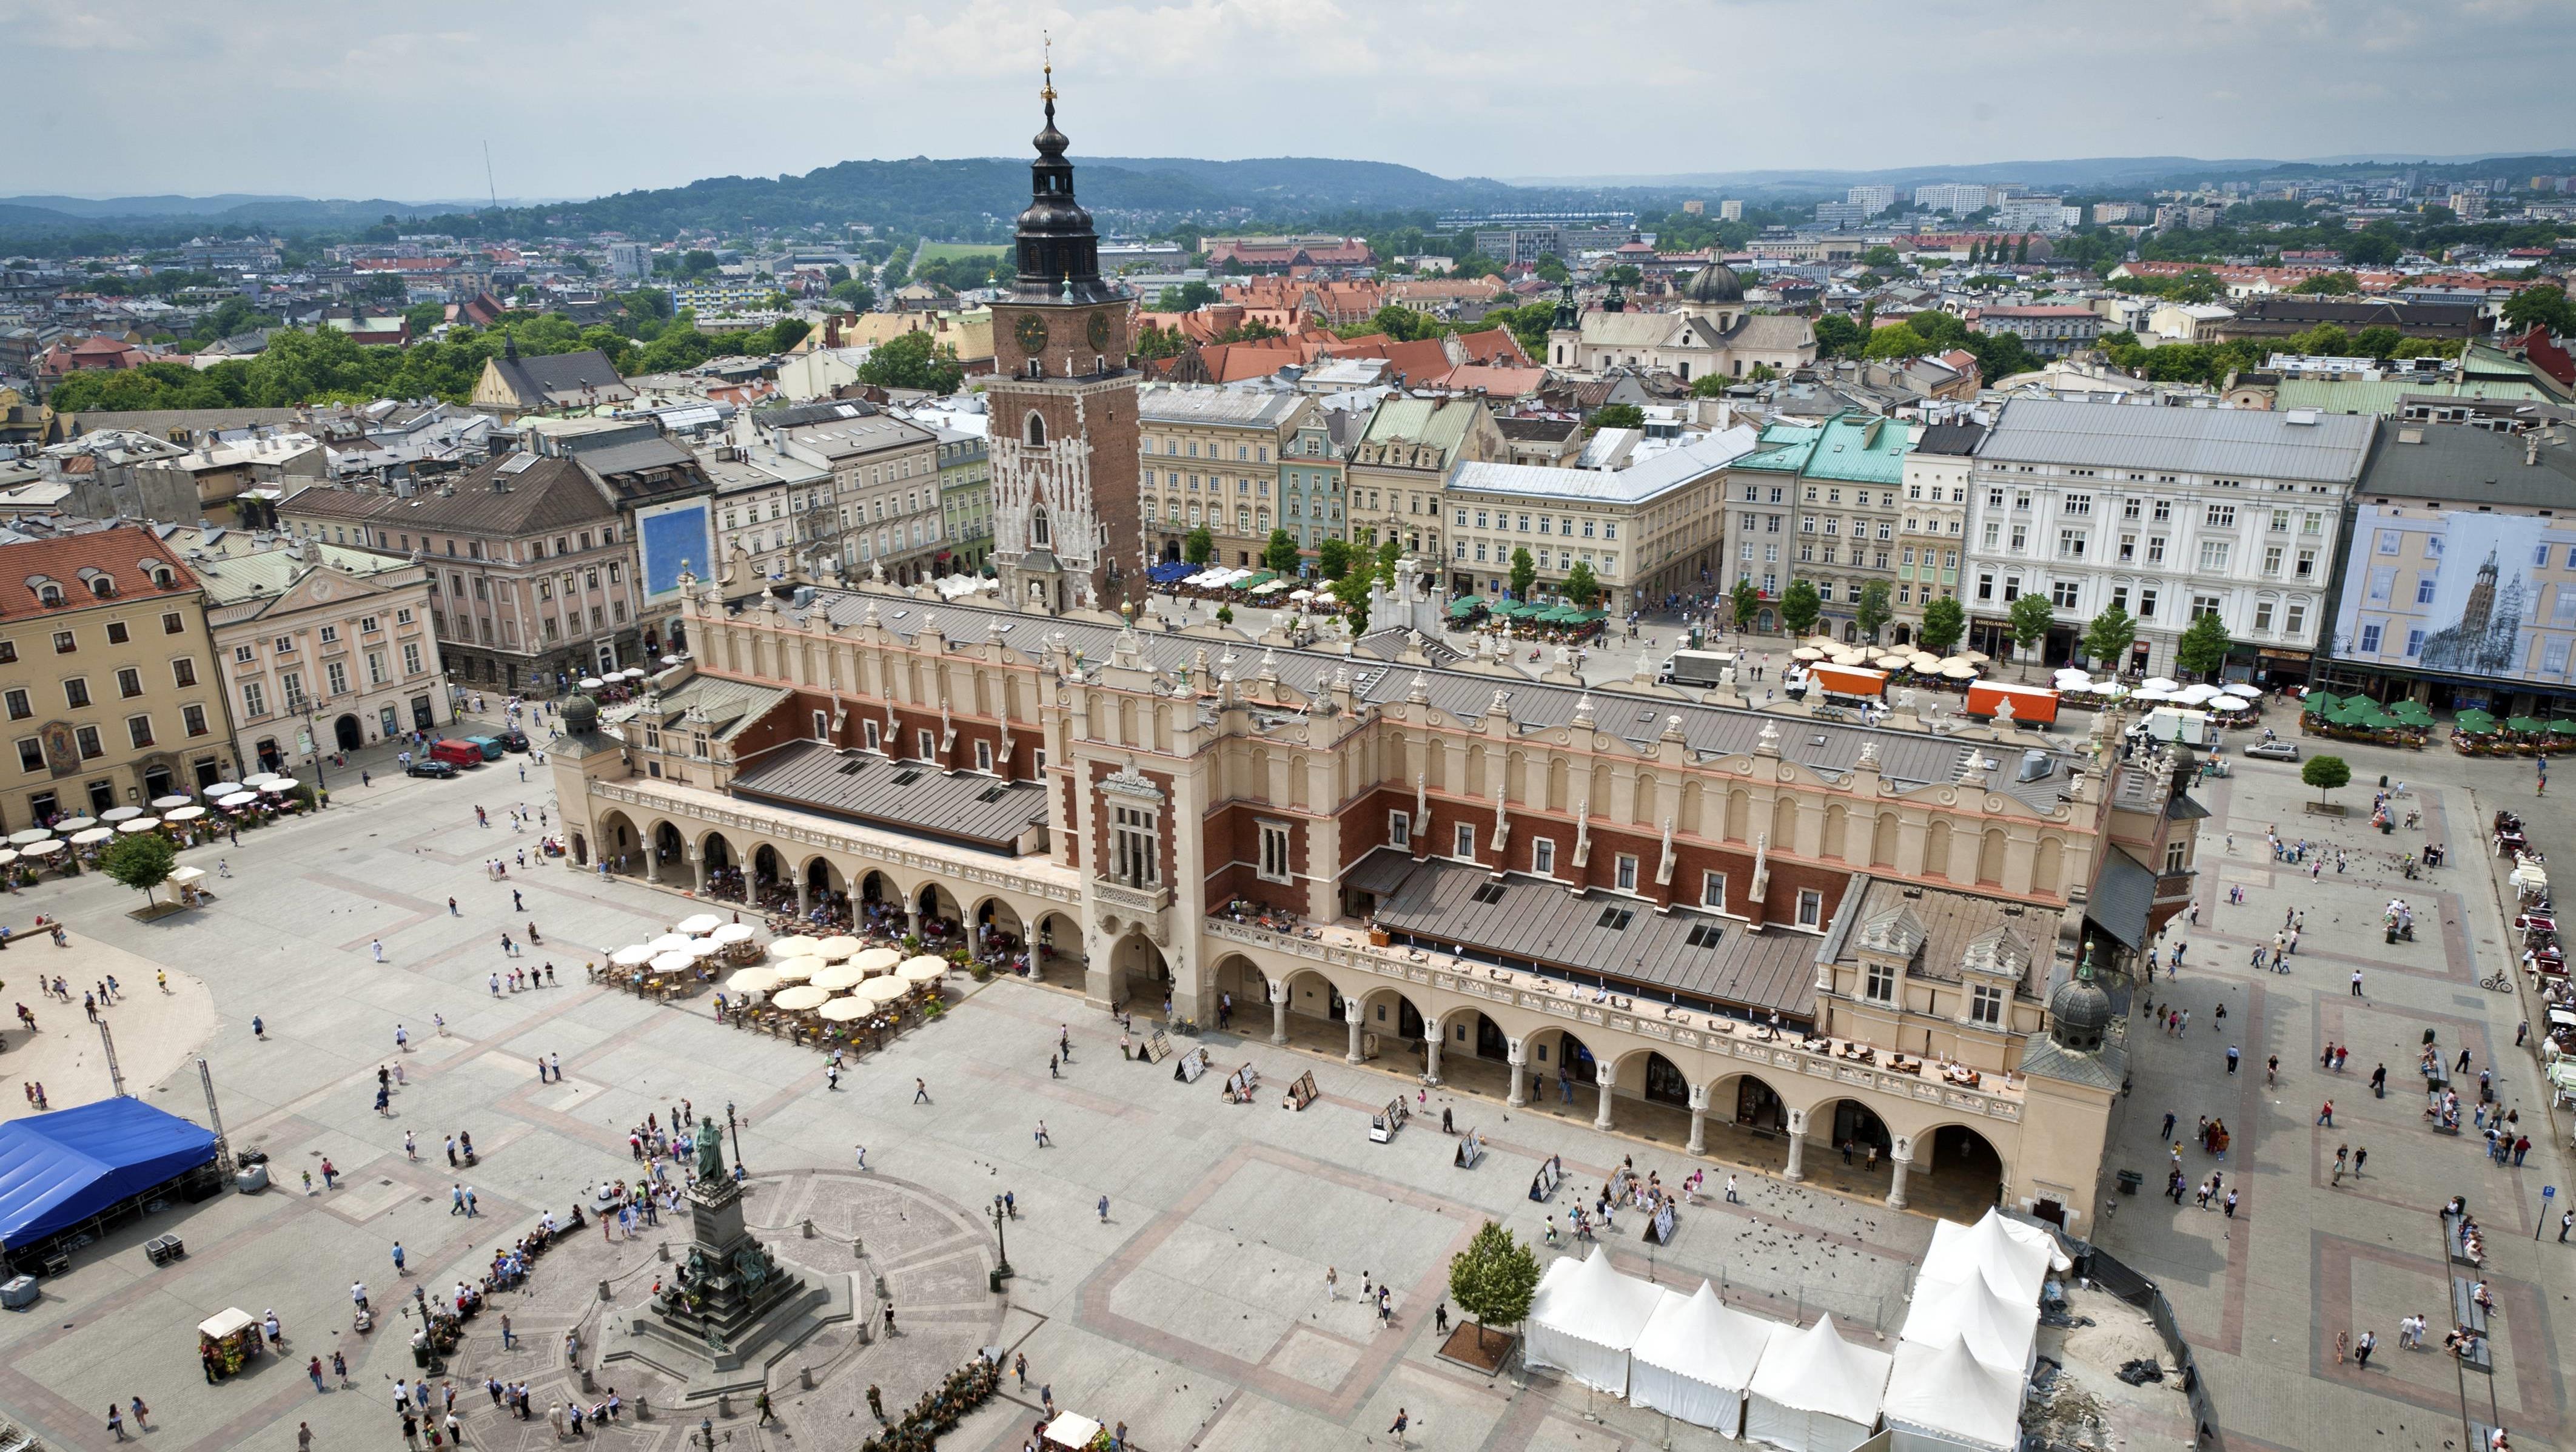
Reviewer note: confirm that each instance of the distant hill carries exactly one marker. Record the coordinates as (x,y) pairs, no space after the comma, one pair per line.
(1322,182)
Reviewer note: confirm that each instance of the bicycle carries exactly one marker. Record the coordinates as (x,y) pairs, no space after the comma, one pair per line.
(2500,982)
(1188,1028)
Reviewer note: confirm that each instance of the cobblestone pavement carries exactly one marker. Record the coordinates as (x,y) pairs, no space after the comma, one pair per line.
(2263,1296)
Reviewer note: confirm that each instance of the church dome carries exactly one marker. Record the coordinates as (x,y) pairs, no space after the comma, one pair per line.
(2078,1013)
(1715,283)
(580,716)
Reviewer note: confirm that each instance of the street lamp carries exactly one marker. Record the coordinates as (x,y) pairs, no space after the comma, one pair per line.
(1001,1245)
(300,704)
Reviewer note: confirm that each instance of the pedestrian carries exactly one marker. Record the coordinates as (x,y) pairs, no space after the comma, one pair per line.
(2231,1204)
(398,1258)
(1041,1136)
(116,1421)
(920,1091)
(863,1156)
(1731,1197)
(1401,1422)
(2325,1116)
(377,946)
(1104,1209)
(2358,1156)
(2231,1058)
(2167,1132)
(1332,1284)
(2362,1348)
(2356,983)
(313,1369)
(1020,1368)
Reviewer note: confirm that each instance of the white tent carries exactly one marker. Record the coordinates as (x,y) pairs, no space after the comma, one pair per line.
(1942,1398)
(1584,1318)
(2001,1332)
(2015,1257)
(1816,1392)
(1695,1358)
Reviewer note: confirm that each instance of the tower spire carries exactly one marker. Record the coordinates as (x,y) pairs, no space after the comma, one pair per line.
(1046,56)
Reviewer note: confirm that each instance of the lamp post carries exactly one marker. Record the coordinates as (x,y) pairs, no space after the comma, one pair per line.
(301,704)
(1001,1244)
(736,1130)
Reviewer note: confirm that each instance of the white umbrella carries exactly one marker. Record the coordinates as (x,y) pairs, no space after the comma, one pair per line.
(1975,657)
(1924,661)
(1961,672)
(93,836)
(280,784)
(734,933)
(220,790)
(673,963)
(140,824)
(800,998)
(70,825)
(592,683)
(797,970)
(240,799)
(1806,652)
(2231,704)
(882,991)
(1301,594)
(698,925)
(29,836)
(2251,693)
(839,976)
(876,960)
(2161,683)
(846,1010)
(839,946)
(175,799)
(258,777)
(7,856)
(924,969)
(704,947)
(671,943)
(799,946)
(752,980)
(2150,693)
(128,814)
(633,957)
(46,848)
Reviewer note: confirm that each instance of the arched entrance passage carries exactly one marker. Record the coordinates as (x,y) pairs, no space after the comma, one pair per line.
(1241,980)
(1060,954)
(1749,1103)
(938,903)
(1904,635)
(1956,1172)
(1661,1081)
(156,782)
(348,733)
(719,868)
(771,888)
(1139,978)
(669,854)
(876,887)
(1850,1122)
(580,850)
(998,936)
(1391,1028)
(620,845)
(827,897)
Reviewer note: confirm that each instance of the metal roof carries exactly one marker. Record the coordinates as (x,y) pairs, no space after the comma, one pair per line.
(1172,403)
(2233,442)
(1536,919)
(900,796)
(2123,899)
(1654,475)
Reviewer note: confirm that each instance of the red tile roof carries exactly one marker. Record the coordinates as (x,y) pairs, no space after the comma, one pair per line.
(124,556)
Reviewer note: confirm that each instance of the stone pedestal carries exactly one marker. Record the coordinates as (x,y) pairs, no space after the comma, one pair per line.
(732,1309)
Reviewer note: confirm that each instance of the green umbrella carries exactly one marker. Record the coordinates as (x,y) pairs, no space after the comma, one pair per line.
(2412,712)
(2321,703)
(1461,609)
(2476,723)
(1263,578)
(2525,726)
(2561,726)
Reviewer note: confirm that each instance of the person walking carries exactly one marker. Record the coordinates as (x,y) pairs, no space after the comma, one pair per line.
(1041,1136)
(377,947)
(1104,1209)
(2231,1058)
(1402,1421)
(2362,1348)
(1333,1283)
(2358,1157)
(2356,983)
(920,1091)
(1731,1197)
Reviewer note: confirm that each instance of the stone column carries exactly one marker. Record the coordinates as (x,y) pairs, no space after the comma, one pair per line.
(912,921)
(652,862)
(804,897)
(1797,1146)
(1897,1166)
(1431,1033)
(1604,1086)
(1699,1120)
(1351,1015)
(1518,1052)
(698,861)
(1278,1013)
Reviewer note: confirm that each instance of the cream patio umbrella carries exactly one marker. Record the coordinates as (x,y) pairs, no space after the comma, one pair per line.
(752,980)
(839,976)
(875,961)
(801,998)
(698,925)
(846,1010)
(188,813)
(671,965)
(923,969)
(797,970)
(671,943)
(799,946)
(732,933)
(93,836)
(882,991)
(837,947)
(633,957)
(140,824)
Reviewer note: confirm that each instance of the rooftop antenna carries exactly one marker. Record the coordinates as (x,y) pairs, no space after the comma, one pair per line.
(489,188)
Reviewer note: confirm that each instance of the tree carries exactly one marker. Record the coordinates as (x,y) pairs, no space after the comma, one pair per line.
(1837,335)
(1225,615)
(913,360)
(1549,267)
(1494,1279)
(1944,621)
(1353,591)
(2329,284)
(2325,773)
(1333,559)
(2108,638)
(2325,340)
(897,270)
(2030,616)
(1896,340)
(1881,257)
(2542,305)
(1280,555)
(1711,385)
(1800,606)
(1747,602)
(2382,341)
(1580,586)
(142,861)
(1617,416)
(1524,573)
(1389,550)
(1189,297)
(2203,648)
(1873,611)
(861,297)
(1199,547)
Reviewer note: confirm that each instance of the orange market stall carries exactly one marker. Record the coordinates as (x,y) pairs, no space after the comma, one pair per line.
(2036,705)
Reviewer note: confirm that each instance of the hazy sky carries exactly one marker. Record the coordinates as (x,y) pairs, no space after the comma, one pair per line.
(350,98)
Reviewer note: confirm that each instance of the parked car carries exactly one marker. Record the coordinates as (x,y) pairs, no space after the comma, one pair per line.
(514,739)
(456,753)
(2273,750)
(433,768)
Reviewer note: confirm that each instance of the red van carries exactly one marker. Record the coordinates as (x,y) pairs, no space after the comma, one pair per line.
(456,753)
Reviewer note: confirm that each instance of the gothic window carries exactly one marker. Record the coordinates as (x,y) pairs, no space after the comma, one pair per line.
(1036,431)
(1041,534)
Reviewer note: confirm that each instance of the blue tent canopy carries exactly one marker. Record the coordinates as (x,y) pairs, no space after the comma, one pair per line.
(1170,570)
(59,1169)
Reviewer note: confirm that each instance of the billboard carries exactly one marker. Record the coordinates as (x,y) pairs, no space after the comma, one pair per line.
(670,536)
(2460,593)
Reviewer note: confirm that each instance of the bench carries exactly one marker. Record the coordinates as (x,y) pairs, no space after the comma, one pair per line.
(2465,1310)
(2481,1437)
(2451,1239)
(2479,1356)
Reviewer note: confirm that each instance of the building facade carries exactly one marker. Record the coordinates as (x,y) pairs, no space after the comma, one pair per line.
(1611,895)
(1709,332)
(2051,330)
(107,676)
(1931,534)
(1761,500)
(1310,476)
(1400,464)
(1847,516)
(2169,514)
(1232,441)
(965,500)
(1641,531)
(323,648)
(886,512)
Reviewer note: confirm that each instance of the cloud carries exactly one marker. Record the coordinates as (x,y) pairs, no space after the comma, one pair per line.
(576,97)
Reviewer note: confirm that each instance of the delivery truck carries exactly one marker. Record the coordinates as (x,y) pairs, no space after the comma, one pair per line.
(1698,669)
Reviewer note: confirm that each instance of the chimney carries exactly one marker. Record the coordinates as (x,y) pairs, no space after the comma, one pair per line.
(2530,449)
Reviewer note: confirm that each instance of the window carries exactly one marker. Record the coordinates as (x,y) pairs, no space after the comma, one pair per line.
(2178,855)
(403,616)
(31,754)
(76,692)
(171,624)
(1811,908)
(20,708)
(330,634)
(337,674)
(1463,842)
(1133,831)
(63,644)
(2206,605)
(868,734)
(2370,639)
(2213,555)
(1275,866)
(1712,890)
(129,682)
(2294,620)
(1986,1005)
(1399,829)
(926,746)
(1543,856)
(1879,983)
(2414,644)
(194,719)
(411,659)
(116,633)
(2220,516)
(87,736)
(2163,510)
(138,729)
(2263,617)
(2062,594)
(254,699)
(1625,873)
(2271,559)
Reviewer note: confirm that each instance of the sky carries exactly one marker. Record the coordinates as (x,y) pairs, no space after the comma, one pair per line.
(355,98)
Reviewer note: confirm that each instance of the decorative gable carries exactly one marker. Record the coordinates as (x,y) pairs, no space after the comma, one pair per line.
(1996,953)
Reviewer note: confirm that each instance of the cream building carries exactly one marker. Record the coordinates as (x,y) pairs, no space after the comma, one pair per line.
(1710,331)
(1756,934)
(322,648)
(884,511)
(1210,456)
(1645,529)
(1396,472)
(1933,530)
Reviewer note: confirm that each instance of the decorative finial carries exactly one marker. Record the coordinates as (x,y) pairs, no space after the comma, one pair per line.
(1046,53)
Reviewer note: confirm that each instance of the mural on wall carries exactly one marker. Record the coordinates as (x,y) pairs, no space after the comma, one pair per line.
(2461,593)
(671,538)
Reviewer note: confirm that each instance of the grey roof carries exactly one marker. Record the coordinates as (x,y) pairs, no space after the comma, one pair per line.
(724,706)
(620,458)
(533,378)
(542,494)
(899,796)
(1172,403)
(1956,437)
(1381,871)
(1949,923)
(2232,442)
(1905,758)
(1536,919)
(2044,1058)
(2464,464)
(2122,899)
(1658,473)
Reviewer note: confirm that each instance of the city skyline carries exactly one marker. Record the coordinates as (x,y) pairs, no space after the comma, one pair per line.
(388,110)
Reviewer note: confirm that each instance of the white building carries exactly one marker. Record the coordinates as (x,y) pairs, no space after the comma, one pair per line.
(2031,214)
(630,261)
(1958,198)
(2168,513)
(1653,526)
(1872,200)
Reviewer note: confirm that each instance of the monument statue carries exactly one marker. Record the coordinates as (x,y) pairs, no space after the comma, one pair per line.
(710,1150)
